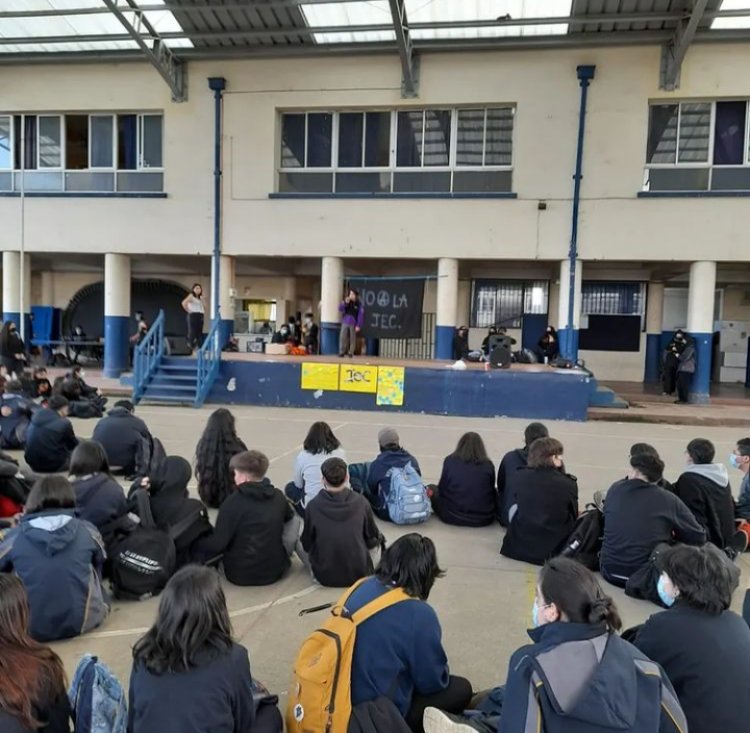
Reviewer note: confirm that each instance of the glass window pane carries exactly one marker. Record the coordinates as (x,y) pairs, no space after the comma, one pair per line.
(293,141)
(351,126)
(695,125)
(535,297)
(482,181)
(49,142)
(485,300)
(499,136)
(377,139)
(370,182)
(319,135)
(5,158)
(151,131)
(140,182)
(662,133)
(731,179)
(101,141)
(509,304)
(437,137)
(729,133)
(127,142)
(304,182)
(409,139)
(470,137)
(677,179)
(422,182)
(76,142)
(90,181)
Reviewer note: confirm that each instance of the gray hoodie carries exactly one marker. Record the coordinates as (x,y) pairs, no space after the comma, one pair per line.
(716,472)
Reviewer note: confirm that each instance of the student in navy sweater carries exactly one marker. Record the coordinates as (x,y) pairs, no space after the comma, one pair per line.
(398,652)
(391,455)
(188,675)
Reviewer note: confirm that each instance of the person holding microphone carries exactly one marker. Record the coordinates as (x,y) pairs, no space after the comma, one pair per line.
(352,317)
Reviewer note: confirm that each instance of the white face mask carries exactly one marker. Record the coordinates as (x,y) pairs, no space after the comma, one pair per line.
(81,374)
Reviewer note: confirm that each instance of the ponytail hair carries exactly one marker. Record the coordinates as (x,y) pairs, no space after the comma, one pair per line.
(577,594)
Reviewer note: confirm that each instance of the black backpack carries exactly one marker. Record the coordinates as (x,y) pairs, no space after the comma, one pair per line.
(585,542)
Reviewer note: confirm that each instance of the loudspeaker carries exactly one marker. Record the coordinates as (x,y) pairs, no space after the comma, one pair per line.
(177,346)
(499,339)
(500,357)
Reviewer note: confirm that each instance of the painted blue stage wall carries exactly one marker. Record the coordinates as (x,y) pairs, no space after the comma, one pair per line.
(561,396)
(116,345)
(329,338)
(444,341)
(568,340)
(701,385)
(653,357)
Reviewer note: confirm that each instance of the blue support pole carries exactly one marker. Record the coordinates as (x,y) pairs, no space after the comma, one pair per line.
(217,84)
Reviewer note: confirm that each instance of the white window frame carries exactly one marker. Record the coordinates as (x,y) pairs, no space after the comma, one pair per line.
(11,141)
(99,168)
(140,140)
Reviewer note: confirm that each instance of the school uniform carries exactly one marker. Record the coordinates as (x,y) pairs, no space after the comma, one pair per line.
(50,440)
(466,493)
(506,481)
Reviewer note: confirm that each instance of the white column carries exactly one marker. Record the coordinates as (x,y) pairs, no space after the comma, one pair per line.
(655,308)
(463,312)
(331,293)
(701,295)
(226,287)
(564,295)
(11,282)
(447,292)
(116,313)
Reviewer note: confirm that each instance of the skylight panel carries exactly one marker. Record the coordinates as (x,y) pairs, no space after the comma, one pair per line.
(729,23)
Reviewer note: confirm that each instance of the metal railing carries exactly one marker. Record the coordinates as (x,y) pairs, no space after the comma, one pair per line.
(147,356)
(209,357)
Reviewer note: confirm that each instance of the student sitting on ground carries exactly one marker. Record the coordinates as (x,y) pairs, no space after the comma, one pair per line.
(740,459)
(217,446)
(92,394)
(638,516)
(704,487)
(188,674)
(122,434)
(42,384)
(637,448)
(340,533)
(257,529)
(68,388)
(410,668)
(59,559)
(33,694)
(578,674)
(50,439)
(466,495)
(391,455)
(702,646)
(512,461)
(15,416)
(546,507)
(320,445)
(15,485)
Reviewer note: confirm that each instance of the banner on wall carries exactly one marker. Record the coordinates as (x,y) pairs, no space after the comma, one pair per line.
(358,378)
(393,308)
(319,376)
(390,386)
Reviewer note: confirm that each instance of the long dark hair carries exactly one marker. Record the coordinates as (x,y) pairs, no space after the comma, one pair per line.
(50,492)
(29,671)
(5,337)
(218,444)
(576,592)
(320,439)
(470,449)
(89,457)
(410,563)
(192,624)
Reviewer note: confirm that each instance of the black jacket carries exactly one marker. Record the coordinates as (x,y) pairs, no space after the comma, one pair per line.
(637,517)
(547,508)
(215,696)
(707,659)
(55,713)
(99,499)
(13,426)
(506,481)
(339,531)
(121,433)
(466,493)
(49,442)
(249,532)
(460,346)
(706,492)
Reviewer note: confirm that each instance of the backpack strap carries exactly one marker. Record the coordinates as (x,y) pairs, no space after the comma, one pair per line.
(386,600)
(341,603)
(143,501)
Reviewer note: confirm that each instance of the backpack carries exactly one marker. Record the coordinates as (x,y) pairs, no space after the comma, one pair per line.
(320,694)
(585,542)
(407,501)
(97,699)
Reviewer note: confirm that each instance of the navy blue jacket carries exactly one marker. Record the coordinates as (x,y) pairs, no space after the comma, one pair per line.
(13,426)
(506,473)
(120,434)
(58,558)
(466,493)
(99,499)
(49,442)
(215,696)
(707,659)
(378,481)
(576,678)
(398,652)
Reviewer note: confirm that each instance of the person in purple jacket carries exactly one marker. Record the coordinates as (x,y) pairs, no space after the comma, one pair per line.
(352,318)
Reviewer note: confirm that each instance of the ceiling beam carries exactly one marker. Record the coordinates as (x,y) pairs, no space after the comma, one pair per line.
(673,53)
(170,68)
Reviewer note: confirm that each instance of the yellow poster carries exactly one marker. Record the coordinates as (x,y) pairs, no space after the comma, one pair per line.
(320,376)
(358,378)
(390,386)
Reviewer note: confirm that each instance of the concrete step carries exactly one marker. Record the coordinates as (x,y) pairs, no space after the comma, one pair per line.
(604,397)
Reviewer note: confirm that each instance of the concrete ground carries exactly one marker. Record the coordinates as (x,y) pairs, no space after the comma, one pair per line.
(484,602)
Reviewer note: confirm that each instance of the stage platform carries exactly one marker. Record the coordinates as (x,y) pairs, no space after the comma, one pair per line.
(402,385)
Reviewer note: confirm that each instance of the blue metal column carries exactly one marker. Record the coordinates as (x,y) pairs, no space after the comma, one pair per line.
(217,84)
(569,335)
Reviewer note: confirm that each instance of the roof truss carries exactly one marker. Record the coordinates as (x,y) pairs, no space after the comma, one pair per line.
(673,53)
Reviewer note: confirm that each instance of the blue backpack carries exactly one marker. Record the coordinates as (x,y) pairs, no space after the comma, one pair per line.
(407,501)
(97,699)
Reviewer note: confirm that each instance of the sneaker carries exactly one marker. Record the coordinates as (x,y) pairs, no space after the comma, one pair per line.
(738,543)
(436,721)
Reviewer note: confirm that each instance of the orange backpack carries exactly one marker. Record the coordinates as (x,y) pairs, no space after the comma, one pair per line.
(320,695)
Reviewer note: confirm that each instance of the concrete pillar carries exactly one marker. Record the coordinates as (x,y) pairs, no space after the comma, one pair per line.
(48,288)
(447,307)
(553,303)
(116,314)
(700,325)
(331,294)
(569,336)
(654,320)
(226,298)
(12,290)
(463,312)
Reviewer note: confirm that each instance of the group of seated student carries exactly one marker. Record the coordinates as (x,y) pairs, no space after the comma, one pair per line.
(123,436)
(50,438)
(16,411)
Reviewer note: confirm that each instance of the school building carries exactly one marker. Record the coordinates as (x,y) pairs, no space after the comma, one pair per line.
(389,138)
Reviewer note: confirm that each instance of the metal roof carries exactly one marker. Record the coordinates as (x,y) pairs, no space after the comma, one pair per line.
(171,32)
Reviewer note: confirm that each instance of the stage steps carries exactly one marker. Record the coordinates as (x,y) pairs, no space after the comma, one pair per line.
(601,396)
(175,382)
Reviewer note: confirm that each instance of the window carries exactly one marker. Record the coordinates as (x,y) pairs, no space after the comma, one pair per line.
(613,298)
(6,152)
(50,142)
(505,302)
(76,142)
(698,146)
(149,134)
(397,151)
(101,136)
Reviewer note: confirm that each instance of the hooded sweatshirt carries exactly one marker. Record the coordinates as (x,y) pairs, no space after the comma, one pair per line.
(58,558)
(49,442)
(506,475)
(121,433)
(99,499)
(705,489)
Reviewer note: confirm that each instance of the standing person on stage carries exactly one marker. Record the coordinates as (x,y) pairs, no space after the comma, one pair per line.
(352,317)
(195,309)
(310,333)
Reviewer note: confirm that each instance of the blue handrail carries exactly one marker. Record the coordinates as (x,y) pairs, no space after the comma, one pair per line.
(209,356)
(147,356)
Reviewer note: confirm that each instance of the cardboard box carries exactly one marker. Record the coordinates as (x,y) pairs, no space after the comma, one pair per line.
(277,349)
(732,375)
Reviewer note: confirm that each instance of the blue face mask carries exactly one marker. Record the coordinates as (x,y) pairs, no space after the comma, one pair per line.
(666,599)
(535,615)
(734,460)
